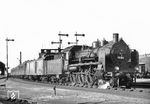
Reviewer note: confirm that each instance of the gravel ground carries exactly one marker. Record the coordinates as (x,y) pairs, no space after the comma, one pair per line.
(45,95)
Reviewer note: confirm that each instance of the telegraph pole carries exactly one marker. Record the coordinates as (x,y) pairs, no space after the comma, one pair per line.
(60,40)
(76,35)
(20,57)
(7,67)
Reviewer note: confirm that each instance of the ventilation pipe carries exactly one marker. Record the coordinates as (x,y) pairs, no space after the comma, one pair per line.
(96,44)
(104,42)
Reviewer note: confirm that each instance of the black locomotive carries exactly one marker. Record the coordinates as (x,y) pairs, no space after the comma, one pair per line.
(81,65)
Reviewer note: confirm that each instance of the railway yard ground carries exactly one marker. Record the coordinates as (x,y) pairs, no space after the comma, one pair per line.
(43,93)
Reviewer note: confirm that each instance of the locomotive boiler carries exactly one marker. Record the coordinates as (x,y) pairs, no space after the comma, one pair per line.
(86,63)
(81,65)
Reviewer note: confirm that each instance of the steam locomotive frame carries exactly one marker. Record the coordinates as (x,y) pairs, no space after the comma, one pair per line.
(80,65)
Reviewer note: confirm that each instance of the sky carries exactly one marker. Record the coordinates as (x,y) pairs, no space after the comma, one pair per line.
(35,23)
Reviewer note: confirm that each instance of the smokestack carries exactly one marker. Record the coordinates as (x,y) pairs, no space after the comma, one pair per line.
(115,37)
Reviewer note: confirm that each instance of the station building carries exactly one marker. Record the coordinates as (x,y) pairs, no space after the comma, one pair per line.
(144,63)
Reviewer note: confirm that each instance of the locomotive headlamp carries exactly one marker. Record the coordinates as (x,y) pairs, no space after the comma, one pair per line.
(136,69)
(116,68)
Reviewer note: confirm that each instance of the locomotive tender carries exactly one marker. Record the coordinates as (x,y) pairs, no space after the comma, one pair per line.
(80,65)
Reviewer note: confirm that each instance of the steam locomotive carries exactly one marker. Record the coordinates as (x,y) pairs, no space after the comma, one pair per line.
(81,65)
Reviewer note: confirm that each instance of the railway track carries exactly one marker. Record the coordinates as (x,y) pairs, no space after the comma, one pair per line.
(142,85)
(137,92)
(43,93)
